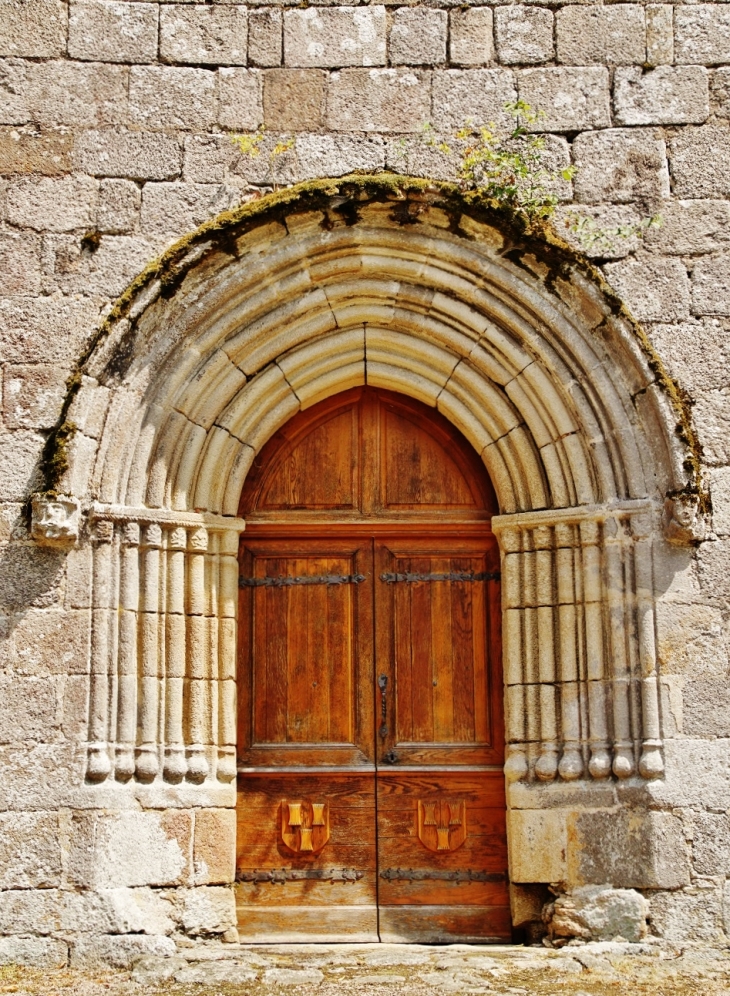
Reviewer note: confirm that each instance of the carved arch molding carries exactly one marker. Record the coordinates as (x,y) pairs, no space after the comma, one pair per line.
(414,288)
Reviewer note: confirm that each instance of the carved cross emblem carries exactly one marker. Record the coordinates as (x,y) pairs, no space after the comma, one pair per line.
(305,826)
(442,824)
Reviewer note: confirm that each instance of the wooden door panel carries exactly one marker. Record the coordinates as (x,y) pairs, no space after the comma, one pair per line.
(445,924)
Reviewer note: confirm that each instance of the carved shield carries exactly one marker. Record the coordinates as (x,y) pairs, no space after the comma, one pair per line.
(305,826)
(442,824)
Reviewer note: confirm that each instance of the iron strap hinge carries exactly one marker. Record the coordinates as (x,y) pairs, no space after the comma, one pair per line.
(286,580)
(278,876)
(422,875)
(411,577)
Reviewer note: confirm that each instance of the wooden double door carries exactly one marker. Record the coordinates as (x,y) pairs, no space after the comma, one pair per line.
(371,796)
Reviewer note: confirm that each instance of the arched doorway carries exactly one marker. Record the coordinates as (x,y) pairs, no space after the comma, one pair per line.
(371,793)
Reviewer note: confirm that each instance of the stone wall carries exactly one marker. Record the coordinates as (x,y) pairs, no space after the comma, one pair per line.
(115,139)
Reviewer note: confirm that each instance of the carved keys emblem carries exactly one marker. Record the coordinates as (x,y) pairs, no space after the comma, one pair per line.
(442,824)
(305,826)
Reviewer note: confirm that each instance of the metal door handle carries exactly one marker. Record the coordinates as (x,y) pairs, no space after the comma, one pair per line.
(383,685)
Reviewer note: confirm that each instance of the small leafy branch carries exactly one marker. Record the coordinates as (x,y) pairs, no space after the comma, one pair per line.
(602,241)
(250,144)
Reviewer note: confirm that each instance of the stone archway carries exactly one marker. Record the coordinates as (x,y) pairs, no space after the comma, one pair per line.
(418,289)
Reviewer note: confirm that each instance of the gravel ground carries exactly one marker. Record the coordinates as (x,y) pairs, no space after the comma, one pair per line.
(387,970)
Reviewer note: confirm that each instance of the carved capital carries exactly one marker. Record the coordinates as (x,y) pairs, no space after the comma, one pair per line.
(55,520)
(683,522)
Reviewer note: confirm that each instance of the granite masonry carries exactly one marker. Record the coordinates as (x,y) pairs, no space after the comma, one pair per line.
(168,300)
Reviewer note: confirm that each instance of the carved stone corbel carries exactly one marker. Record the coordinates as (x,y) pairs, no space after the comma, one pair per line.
(55,519)
(683,522)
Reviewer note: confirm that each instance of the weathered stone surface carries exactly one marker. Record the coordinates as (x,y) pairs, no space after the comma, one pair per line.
(168,98)
(44,329)
(605,231)
(14,107)
(720,491)
(128,849)
(209,35)
(598,913)
(335,36)
(38,952)
(19,472)
(659,34)
(628,849)
(215,846)
(711,416)
(711,843)
(32,395)
(694,914)
(418,37)
(570,99)
(377,100)
(120,911)
(468,94)
(654,288)
(133,155)
(523,35)
(119,204)
(326,155)
(614,35)
(265,37)
(707,707)
(207,911)
(118,950)
(29,577)
(471,39)
(27,709)
(620,165)
(691,639)
(538,845)
(696,352)
(711,285)
(73,266)
(697,773)
(666,95)
(112,31)
(77,94)
(30,852)
(696,156)
(239,99)
(62,205)
(702,34)
(33,29)
(689,227)
(47,153)
(293,976)
(20,264)
(169,210)
(294,99)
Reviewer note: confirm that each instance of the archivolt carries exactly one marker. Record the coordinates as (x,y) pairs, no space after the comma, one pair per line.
(398,285)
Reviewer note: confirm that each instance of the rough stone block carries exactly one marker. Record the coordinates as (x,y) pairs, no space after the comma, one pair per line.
(694,914)
(471,38)
(697,157)
(294,99)
(30,851)
(30,576)
(168,98)
(538,845)
(659,34)
(711,285)
(720,492)
(133,155)
(596,229)
(383,100)
(14,105)
(613,35)
(265,37)
(629,849)
(570,99)
(27,709)
(702,34)
(598,913)
(46,204)
(418,37)
(476,94)
(20,453)
(620,165)
(666,95)
(209,158)
(32,395)
(689,227)
(707,707)
(204,35)
(711,416)
(119,204)
(19,263)
(711,843)
(33,29)
(118,950)
(654,288)
(239,99)
(697,772)
(524,35)
(35,952)
(334,155)
(691,639)
(77,94)
(121,911)
(169,210)
(206,911)
(335,37)
(46,153)
(214,854)
(720,91)
(112,31)
(102,270)
(131,848)
(44,330)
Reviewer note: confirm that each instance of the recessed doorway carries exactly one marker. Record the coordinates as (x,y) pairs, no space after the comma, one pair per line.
(371,799)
